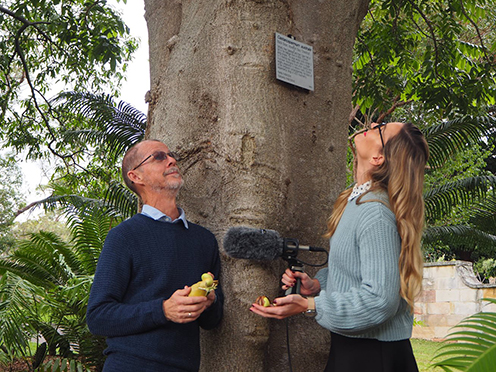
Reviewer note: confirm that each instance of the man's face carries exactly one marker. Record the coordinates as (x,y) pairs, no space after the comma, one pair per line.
(159,172)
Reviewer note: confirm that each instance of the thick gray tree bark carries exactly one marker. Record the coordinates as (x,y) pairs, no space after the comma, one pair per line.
(254,151)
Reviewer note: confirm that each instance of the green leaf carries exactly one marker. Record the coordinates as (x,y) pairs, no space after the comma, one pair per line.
(467,350)
(485,362)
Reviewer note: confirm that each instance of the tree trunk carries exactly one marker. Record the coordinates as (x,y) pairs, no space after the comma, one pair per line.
(254,151)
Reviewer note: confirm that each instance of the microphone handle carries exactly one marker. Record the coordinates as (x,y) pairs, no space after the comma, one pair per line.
(304,247)
(297,288)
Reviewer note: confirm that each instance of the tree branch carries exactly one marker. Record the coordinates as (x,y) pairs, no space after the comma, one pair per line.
(431,31)
(464,12)
(27,207)
(392,108)
(19,51)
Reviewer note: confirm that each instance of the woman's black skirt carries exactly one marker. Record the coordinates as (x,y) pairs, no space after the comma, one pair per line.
(368,355)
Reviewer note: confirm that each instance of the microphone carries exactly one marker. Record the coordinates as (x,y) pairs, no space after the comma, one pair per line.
(261,244)
(253,244)
(264,244)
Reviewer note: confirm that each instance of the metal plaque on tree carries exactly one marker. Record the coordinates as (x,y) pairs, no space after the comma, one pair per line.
(294,62)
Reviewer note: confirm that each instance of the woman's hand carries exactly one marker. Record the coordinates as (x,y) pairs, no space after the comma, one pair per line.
(309,286)
(283,307)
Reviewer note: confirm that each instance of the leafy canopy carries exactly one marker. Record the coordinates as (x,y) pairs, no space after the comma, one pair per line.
(439,53)
(51,45)
(10,199)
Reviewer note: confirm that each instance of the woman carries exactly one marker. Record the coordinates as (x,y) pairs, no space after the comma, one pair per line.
(365,295)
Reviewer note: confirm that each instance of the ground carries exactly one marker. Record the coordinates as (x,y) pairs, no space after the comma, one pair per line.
(423,350)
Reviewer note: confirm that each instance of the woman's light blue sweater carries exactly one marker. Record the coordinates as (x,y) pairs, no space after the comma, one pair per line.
(360,288)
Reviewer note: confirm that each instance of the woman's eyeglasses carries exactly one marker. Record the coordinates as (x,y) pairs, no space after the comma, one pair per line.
(377,126)
(159,155)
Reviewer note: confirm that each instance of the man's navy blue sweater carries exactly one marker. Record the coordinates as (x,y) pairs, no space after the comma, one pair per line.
(143,262)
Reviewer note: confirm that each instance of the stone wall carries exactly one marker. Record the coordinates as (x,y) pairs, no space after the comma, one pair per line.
(451,292)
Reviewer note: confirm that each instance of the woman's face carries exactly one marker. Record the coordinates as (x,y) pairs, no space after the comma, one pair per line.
(370,143)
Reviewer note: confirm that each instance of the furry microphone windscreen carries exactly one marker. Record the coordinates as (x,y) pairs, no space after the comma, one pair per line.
(253,244)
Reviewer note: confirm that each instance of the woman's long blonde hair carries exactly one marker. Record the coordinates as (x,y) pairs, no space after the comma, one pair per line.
(401,175)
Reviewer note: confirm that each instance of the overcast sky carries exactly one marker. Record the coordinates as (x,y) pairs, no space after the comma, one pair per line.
(138,74)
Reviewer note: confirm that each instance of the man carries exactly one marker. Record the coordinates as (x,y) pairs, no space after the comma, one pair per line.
(139,298)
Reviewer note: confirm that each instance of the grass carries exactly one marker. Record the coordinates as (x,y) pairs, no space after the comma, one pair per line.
(424,351)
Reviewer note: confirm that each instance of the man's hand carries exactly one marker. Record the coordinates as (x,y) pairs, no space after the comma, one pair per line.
(180,308)
(210,299)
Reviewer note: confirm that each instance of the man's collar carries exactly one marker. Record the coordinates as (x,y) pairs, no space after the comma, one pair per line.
(156,214)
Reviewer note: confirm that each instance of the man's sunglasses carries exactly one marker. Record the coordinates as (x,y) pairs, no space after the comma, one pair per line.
(159,155)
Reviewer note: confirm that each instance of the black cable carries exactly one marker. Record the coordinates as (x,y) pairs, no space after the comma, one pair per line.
(293,260)
(315,265)
(287,345)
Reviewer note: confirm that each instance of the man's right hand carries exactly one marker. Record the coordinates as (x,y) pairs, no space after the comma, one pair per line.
(180,308)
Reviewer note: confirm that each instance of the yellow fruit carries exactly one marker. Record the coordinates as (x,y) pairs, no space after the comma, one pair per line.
(198,289)
(204,286)
(207,279)
(263,301)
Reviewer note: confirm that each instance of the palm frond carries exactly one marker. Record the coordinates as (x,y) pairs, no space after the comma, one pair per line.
(53,337)
(63,365)
(472,346)
(70,202)
(484,214)
(460,235)
(44,260)
(121,199)
(58,314)
(117,126)
(89,235)
(447,137)
(16,295)
(118,202)
(439,201)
